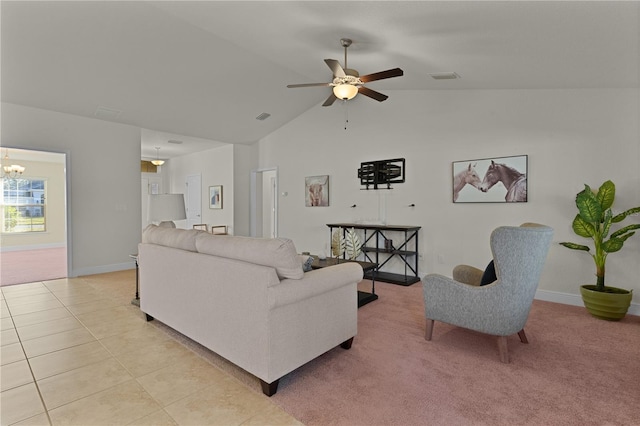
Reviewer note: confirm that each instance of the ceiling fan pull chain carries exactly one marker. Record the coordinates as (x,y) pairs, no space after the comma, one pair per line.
(346,114)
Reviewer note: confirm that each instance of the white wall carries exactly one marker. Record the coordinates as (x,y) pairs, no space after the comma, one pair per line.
(571,137)
(245,159)
(216,168)
(104,171)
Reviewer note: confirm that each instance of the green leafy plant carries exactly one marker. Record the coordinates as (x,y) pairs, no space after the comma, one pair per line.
(594,220)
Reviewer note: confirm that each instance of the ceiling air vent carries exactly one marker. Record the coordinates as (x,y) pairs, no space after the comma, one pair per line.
(107,113)
(444,75)
(175,142)
(263,116)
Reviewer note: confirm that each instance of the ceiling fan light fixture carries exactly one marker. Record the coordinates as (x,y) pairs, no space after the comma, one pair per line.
(345,91)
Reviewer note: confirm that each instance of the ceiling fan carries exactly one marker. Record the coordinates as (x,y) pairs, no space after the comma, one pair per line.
(347,82)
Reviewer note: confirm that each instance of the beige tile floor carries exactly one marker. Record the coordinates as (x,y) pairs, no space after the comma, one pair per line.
(75,351)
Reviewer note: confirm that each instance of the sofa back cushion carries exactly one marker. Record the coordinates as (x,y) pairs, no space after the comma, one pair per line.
(278,253)
(184,239)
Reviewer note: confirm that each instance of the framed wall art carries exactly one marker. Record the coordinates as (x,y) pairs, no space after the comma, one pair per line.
(215,197)
(491,180)
(316,189)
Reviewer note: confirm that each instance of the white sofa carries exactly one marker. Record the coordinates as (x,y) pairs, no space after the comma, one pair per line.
(247,299)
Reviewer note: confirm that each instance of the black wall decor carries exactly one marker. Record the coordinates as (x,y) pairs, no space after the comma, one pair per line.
(382,172)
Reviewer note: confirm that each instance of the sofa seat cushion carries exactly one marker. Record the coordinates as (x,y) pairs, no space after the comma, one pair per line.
(184,239)
(278,253)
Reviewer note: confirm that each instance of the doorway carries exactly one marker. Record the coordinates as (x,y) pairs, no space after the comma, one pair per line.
(34,244)
(264,203)
(151,185)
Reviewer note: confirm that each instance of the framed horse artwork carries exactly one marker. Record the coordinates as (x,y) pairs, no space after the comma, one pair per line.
(490,180)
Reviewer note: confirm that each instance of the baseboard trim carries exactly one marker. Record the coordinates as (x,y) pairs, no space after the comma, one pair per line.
(103,269)
(575,300)
(32,247)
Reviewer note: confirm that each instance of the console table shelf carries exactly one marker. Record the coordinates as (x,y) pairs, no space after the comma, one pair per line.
(406,249)
(375,250)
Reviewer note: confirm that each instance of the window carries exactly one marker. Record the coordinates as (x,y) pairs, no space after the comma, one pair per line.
(23,205)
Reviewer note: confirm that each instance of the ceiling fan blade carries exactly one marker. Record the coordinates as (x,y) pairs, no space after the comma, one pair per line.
(292,86)
(330,100)
(396,72)
(372,94)
(336,68)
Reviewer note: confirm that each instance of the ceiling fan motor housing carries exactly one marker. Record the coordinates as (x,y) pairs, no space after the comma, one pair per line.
(348,79)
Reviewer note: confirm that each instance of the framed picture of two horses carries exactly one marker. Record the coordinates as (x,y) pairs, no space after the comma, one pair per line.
(490,180)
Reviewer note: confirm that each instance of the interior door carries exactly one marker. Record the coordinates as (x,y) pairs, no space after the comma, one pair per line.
(194,200)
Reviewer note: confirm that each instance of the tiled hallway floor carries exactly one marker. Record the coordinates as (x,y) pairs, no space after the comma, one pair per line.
(75,351)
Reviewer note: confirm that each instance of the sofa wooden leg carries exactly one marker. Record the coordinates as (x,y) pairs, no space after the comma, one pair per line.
(504,350)
(347,344)
(149,317)
(523,337)
(429,329)
(269,389)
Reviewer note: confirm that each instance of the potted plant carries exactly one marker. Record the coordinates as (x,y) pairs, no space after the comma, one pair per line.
(594,220)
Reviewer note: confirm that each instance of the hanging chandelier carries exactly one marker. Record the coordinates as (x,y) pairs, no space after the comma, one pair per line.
(11,170)
(157,161)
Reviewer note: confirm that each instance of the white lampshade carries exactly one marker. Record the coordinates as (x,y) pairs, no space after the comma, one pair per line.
(345,91)
(166,208)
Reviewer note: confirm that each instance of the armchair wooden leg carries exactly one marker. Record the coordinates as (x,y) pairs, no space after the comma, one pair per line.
(429,329)
(504,350)
(523,337)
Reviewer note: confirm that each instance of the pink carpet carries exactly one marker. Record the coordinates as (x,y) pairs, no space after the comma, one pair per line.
(576,370)
(26,266)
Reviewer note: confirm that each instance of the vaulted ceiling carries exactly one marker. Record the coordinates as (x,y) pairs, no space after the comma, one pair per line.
(207,69)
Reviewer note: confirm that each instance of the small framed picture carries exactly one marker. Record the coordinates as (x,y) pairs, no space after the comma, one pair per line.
(316,189)
(215,197)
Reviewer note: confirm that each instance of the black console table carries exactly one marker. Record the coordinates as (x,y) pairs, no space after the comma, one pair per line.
(379,247)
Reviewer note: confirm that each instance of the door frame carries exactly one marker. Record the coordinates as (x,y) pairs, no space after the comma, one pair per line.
(253,201)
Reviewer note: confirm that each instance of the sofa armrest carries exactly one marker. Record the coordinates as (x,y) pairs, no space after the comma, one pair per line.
(315,282)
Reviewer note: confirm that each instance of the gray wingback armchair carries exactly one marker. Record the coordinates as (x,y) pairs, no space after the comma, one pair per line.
(502,307)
